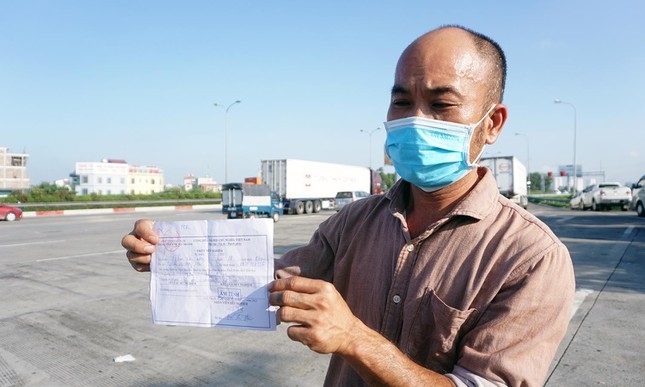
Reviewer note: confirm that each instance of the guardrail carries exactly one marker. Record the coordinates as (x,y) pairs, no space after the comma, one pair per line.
(57,206)
(117,210)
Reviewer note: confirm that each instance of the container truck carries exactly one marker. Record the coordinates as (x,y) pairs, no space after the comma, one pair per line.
(310,186)
(241,200)
(511,177)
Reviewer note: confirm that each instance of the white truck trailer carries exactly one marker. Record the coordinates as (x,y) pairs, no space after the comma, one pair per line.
(309,186)
(511,177)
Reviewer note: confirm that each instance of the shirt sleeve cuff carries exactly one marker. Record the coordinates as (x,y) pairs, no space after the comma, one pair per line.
(464,378)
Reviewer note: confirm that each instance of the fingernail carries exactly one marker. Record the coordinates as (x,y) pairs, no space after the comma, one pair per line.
(149,249)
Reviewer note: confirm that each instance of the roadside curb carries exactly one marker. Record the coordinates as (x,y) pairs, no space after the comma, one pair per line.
(119,210)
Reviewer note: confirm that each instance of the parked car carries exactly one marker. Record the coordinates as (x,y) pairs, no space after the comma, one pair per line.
(10,213)
(576,202)
(636,188)
(640,203)
(343,198)
(605,195)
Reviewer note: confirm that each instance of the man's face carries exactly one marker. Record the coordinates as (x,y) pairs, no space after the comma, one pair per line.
(441,76)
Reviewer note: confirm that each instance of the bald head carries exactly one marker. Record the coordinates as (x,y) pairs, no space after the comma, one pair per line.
(478,52)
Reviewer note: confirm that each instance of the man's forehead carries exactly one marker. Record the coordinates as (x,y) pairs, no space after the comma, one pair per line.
(441,60)
(452,36)
(447,46)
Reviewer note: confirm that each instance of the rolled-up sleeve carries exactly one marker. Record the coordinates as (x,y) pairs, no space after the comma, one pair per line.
(464,378)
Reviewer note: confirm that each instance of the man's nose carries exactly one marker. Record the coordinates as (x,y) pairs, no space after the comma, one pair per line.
(421,110)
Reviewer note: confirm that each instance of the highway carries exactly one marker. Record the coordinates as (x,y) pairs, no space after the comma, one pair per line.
(71,305)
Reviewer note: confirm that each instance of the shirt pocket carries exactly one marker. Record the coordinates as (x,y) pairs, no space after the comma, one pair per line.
(435,332)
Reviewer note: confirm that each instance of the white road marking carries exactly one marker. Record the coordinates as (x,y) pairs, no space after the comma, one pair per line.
(629,230)
(81,255)
(564,219)
(579,298)
(33,243)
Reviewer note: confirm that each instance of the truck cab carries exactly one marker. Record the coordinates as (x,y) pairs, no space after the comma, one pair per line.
(242,200)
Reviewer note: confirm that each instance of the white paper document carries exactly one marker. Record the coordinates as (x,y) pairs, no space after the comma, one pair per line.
(213,273)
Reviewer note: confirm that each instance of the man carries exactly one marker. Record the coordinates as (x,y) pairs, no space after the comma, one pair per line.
(441,281)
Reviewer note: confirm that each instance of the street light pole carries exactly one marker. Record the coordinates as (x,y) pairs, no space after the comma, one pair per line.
(575,176)
(226,136)
(370,132)
(528,160)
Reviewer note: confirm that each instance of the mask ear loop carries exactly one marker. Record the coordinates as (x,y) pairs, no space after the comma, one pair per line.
(474,164)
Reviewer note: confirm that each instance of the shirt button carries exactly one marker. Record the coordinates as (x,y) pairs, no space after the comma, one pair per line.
(410,247)
(396,299)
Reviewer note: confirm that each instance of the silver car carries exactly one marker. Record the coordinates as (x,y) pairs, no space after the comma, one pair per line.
(640,203)
(345,197)
(636,188)
(576,202)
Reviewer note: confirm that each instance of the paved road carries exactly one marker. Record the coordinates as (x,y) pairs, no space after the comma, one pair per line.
(606,336)
(70,304)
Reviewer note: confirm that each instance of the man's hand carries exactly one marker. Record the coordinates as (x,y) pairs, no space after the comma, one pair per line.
(324,323)
(323,320)
(140,244)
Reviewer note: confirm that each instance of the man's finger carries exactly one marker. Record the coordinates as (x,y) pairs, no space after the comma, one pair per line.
(297,284)
(143,229)
(289,298)
(299,333)
(133,257)
(131,243)
(140,267)
(289,314)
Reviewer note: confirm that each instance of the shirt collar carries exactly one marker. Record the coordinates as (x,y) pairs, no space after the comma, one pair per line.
(478,203)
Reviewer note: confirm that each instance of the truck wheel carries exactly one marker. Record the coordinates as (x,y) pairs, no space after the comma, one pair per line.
(640,209)
(276,217)
(309,207)
(300,208)
(317,206)
(595,206)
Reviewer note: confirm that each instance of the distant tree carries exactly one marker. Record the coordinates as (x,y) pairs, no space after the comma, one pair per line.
(387,179)
(45,192)
(548,184)
(536,181)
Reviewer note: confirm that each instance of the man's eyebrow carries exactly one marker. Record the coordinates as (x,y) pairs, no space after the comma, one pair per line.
(443,90)
(398,89)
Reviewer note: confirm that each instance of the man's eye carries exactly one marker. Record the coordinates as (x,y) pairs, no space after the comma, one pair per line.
(400,102)
(441,105)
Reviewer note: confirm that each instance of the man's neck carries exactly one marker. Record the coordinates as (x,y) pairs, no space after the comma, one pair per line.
(425,208)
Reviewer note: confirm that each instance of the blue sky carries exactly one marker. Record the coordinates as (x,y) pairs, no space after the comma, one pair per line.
(137,80)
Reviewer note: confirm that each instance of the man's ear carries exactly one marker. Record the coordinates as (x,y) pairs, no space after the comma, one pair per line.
(498,118)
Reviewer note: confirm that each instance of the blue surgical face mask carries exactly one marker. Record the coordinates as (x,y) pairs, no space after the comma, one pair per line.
(430,154)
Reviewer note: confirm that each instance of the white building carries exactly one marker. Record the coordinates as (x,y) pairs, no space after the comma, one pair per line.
(144,180)
(114,177)
(207,184)
(13,171)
